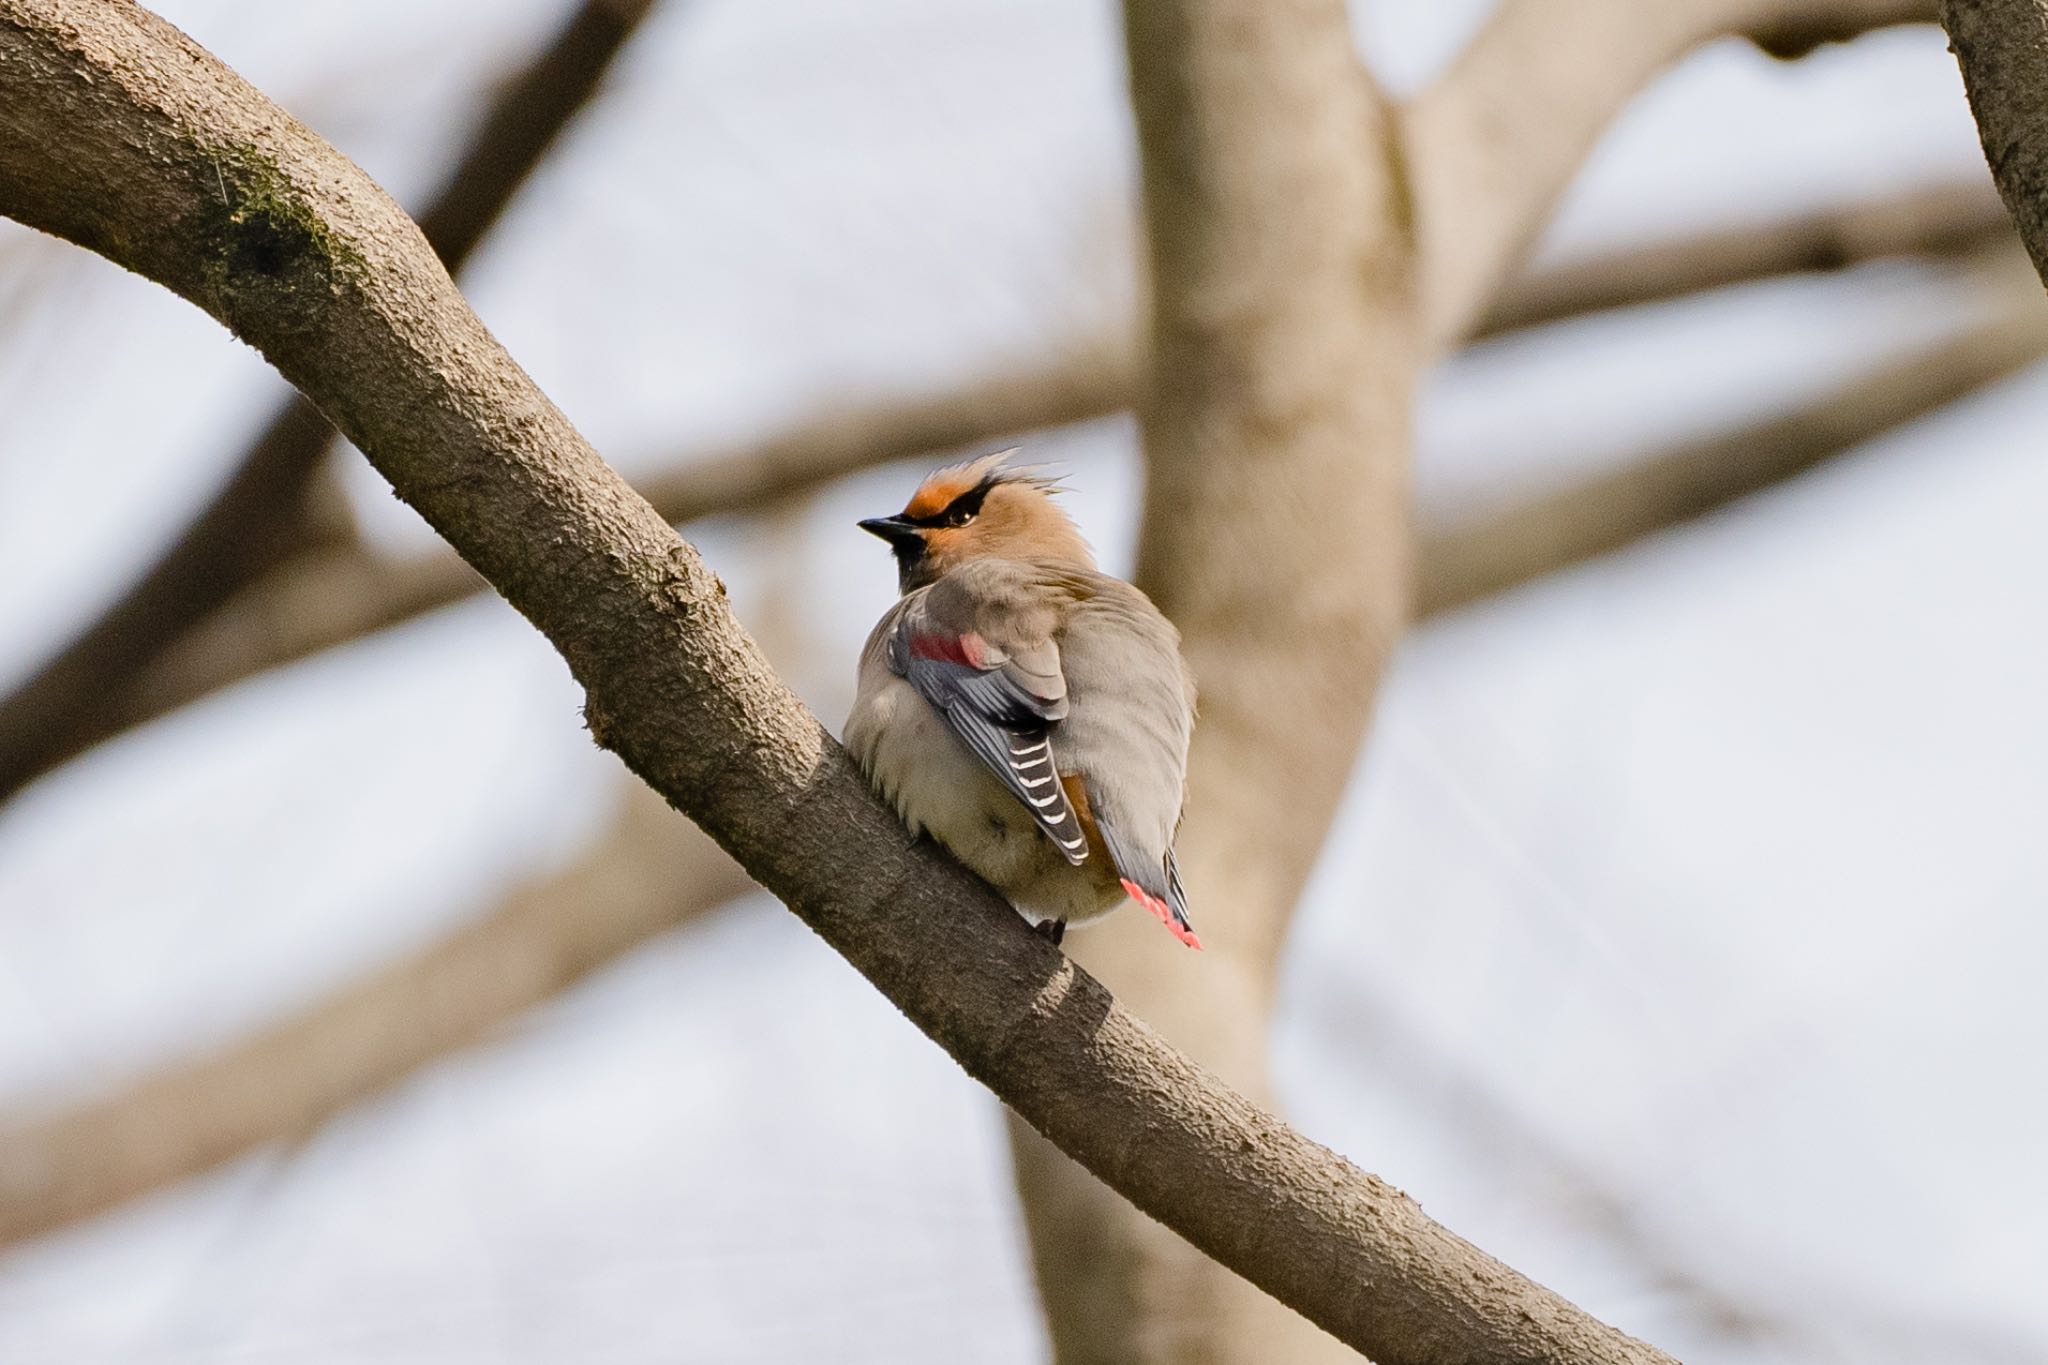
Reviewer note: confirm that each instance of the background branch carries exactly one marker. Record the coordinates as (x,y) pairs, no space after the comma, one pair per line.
(118,132)
(649,872)
(260,515)
(1934,221)
(1496,139)
(1592,516)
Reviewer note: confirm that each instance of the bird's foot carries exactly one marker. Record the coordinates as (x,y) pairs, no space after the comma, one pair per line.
(1054,931)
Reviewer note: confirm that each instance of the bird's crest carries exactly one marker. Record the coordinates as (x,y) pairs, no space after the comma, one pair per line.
(943,487)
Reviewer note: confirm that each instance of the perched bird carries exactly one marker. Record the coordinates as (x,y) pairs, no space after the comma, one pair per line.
(1025,710)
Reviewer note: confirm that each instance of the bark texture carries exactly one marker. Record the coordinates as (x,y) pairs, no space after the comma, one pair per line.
(1275,429)
(2002,48)
(267,511)
(119,133)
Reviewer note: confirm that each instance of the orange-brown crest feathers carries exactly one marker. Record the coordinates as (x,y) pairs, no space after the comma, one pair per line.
(937,492)
(982,508)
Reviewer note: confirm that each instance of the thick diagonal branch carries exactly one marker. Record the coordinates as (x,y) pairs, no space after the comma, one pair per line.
(259,516)
(119,133)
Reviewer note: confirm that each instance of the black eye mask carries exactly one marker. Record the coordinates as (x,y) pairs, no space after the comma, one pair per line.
(960,510)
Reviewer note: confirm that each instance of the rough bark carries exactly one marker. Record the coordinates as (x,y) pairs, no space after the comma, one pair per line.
(1496,139)
(649,873)
(119,133)
(1275,535)
(261,515)
(1934,221)
(2002,48)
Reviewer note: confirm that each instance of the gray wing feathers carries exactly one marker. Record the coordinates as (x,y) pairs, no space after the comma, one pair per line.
(1001,694)
(1124,658)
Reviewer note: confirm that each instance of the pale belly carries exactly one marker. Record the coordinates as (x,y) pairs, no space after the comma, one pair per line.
(939,788)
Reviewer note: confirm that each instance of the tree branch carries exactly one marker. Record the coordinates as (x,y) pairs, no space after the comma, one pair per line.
(1496,139)
(2002,48)
(259,517)
(1796,29)
(1552,531)
(1932,221)
(119,133)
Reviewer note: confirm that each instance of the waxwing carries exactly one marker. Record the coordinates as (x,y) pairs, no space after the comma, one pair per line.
(1025,710)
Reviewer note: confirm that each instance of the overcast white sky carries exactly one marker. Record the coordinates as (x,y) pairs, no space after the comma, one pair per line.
(1683,927)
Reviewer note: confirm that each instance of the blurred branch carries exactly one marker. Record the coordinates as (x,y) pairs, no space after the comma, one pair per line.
(1275,535)
(1494,142)
(118,132)
(1569,525)
(650,872)
(2002,48)
(1794,30)
(1933,221)
(258,517)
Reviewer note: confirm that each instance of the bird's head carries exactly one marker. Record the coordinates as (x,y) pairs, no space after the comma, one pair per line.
(979,509)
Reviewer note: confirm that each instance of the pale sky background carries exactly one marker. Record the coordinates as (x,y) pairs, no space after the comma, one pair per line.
(1680,941)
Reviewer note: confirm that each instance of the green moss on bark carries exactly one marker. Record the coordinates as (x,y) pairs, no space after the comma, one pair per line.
(262,239)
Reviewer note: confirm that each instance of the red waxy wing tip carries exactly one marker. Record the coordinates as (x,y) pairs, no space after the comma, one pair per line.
(969,649)
(1162,912)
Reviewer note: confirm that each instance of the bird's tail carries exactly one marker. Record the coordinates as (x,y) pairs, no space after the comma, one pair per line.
(1170,909)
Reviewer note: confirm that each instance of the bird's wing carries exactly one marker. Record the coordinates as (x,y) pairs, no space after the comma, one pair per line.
(980,652)
(1131,738)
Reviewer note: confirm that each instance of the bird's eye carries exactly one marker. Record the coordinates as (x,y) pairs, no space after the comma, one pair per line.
(959,516)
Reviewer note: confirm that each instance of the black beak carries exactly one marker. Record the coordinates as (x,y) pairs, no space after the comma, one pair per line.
(895,530)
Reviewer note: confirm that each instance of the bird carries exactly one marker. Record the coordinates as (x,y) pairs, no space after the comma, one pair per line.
(1023,709)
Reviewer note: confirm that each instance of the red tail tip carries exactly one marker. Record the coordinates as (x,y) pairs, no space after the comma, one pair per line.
(1162,912)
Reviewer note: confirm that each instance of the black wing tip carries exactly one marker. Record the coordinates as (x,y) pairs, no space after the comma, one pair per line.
(1176,896)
